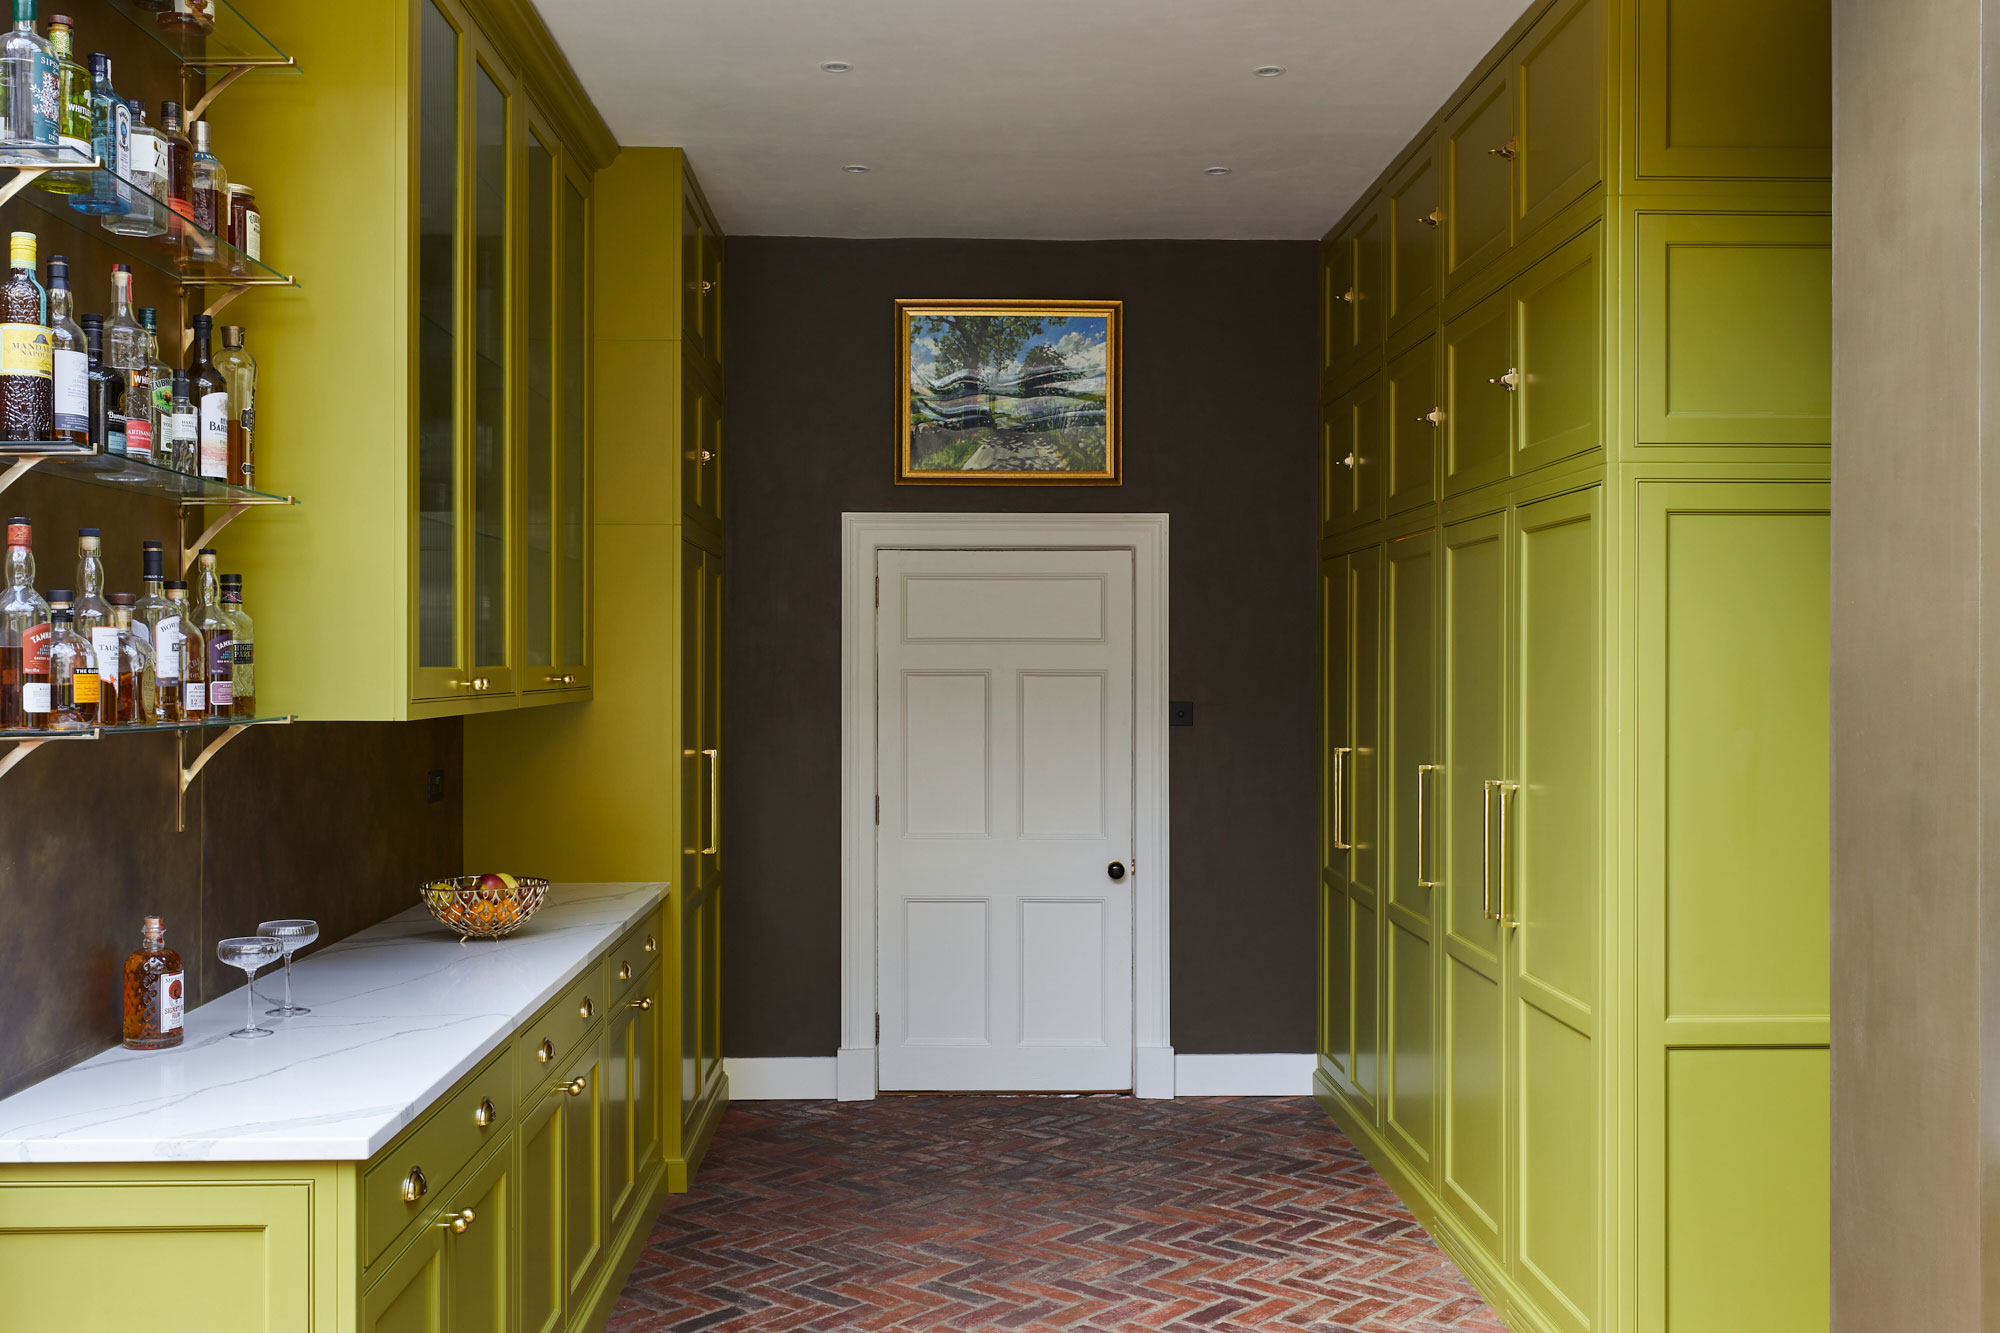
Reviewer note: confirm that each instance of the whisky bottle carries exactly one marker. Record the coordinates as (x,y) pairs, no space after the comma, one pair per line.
(27,80)
(107,392)
(69,361)
(155,992)
(123,669)
(25,366)
(210,393)
(152,603)
(73,683)
(239,371)
(90,611)
(73,120)
(243,643)
(217,633)
(180,660)
(24,637)
(111,140)
(180,161)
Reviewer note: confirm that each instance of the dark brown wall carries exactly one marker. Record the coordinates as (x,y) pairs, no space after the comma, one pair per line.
(1221,423)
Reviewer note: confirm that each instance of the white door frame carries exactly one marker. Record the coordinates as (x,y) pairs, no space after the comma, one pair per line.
(862,536)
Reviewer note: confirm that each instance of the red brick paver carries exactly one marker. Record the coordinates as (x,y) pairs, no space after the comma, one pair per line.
(1022,1214)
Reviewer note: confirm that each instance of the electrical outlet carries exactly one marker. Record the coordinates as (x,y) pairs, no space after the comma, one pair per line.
(1180,713)
(437,785)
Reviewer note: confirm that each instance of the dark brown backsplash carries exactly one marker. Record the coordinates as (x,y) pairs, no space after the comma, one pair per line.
(1221,433)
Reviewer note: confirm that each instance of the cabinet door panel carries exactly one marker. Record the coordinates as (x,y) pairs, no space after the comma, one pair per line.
(1478,409)
(1335,478)
(539,376)
(1558,329)
(573,535)
(1415,218)
(1334,281)
(1410,797)
(583,1175)
(701,447)
(1735,91)
(693,227)
(1356,446)
(1409,1097)
(1360,819)
(491,386)
(409,1297)
(1370,284)
(479,1262)
(621,1169)
(1336,750)
(1480,148)
(1558,72)
(542,1206)
(1414,422)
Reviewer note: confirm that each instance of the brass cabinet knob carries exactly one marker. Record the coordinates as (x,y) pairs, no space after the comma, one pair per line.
(650,944)
(624,971)
(456,1223)
(1433,218)
(546,1051)
(1509,381)
(415,1186)
(1346,297)
(1433,418)
(645,1003)
(586,1009)
(482,1114)
(707,286)
(574,1087)
(1509,150)
(707,456)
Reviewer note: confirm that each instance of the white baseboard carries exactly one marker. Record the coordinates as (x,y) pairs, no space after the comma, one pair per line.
(850,1076)
(807,1078)
(1263,1075)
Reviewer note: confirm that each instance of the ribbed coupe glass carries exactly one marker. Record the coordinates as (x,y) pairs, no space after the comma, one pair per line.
(294,934)
(249,952)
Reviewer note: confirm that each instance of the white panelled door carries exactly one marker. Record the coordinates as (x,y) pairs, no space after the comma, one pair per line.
(1004,762)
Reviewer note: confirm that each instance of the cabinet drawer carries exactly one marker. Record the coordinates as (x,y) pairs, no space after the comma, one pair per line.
(540,1049)
(625,966)
(425,1161)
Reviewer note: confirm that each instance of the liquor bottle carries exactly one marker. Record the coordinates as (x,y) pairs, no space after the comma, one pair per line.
(111,140)
(25,366)
(180,660)
(107,392)
(89,611)
(186,427)
(187,15)
(180,161)
(124,341)
(73,116)
(122,668)
(160,385)
(73,684)
(210,196)
(148,215)
(24,636)
(243,648)
(210,393)
(155,992)
(152,604)
(246,222)
(239,371)
(213,624)
(69,361)
(27,83)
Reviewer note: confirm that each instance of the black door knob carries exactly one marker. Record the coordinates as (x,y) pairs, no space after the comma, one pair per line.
(1116,870)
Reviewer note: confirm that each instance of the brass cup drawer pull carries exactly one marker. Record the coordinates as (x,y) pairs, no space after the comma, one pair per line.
(586,1009)
(574,1087)
(645,1002)
(624,971)
(415,1186)
(482,1114)
(546,1051)
(456,1223)
(651,944)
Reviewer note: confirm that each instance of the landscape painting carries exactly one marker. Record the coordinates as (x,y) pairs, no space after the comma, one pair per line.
(1009,393)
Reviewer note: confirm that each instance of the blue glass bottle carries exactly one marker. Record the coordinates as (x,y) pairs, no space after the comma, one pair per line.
(111,139)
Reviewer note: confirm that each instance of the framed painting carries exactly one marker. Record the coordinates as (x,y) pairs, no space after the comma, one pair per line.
(1009,393)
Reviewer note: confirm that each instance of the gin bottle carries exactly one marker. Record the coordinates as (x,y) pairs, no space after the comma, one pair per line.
(27,83)
(148,177)
(73,118)
(111,141)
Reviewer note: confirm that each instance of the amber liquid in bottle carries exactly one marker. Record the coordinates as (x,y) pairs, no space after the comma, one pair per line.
(155,992)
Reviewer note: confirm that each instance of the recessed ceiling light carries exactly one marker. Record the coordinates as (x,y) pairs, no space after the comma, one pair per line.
(1218,171)
(836,66)
(1268,71)
(855,169)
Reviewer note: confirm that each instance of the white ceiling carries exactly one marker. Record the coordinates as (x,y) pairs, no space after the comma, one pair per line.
(1059,119)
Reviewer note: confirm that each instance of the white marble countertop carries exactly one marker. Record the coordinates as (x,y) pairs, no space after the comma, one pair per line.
(400,1012)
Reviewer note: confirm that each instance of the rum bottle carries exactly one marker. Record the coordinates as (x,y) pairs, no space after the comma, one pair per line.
(25,364)
(217,633)
(155,992)
(73,684)
(125,344)
(243,644)
(24,637)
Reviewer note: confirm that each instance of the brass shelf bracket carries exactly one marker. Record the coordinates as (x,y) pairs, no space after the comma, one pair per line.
(231,288)
(22,467)
(190,549)
(22,749)
(233,70)
(24,174)
(191,771)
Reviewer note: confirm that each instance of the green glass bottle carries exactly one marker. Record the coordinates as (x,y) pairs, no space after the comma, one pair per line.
(75,121)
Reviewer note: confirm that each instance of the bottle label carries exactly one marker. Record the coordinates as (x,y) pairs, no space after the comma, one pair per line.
(246,652)
(167,666)
(84,685)
(47,84)
(139,437)
(221,655)
(121,143)
(187,428)
(141,633)
(35,697)
(194,697)
(35,649)
(104,644)
(114,433)
(253,235)
(25,349)
(145,156)
(215,435)
(72,390)
(173,1003)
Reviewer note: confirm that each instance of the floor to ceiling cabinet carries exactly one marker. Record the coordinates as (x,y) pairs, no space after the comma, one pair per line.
(1574,584)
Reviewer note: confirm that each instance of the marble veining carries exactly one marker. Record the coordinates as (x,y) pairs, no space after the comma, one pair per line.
(401,1011)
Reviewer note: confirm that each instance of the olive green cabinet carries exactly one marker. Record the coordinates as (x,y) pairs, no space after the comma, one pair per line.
(1353,429)
(540,1183)
(1415,217)
(1351,889)
(698,937)
(1415,416)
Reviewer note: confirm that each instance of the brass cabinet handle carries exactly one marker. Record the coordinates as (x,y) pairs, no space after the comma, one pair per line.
(574,1087)
(624,971)
(1340,836)
(1505,789)
(415,1186)
(644,1003)
(456,1223)
(564,679)
(1433,218)
(1486,849)
(1423,843)
(1509,381)
(546,1051)
(586,1009)
(1346,297)
(650,944)
(707,286)
(1509,150)
(478,684)
(1433,418)
(482,1114)
(714,798)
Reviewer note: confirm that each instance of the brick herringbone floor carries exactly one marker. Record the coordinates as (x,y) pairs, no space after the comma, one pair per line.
(1089,1215)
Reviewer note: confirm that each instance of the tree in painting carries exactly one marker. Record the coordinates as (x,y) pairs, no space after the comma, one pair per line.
(1008,393)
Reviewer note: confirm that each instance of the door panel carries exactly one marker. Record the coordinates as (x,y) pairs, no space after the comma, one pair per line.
(1558,330)
(1336,477)
(1337,749)
(1415,418)
(1360,819)
(583,1176)
(1478,409)
(1558,73)
(1410,1096)
(1411,802)
(1479,172)
(479,1262)
(1335,278)
(1415,218)
(1371,254)
(1355,453)
(541,1185)
(409,1297)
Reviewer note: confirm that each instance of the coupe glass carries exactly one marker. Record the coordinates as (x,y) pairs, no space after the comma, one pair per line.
(293,934)
(249,952)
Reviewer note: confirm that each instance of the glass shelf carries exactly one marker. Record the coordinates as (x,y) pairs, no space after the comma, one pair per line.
(132,474)
(189,254)
(234,40)
(147,729)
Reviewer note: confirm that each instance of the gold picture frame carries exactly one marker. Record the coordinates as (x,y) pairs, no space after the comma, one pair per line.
(1009,393)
